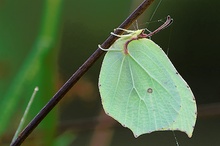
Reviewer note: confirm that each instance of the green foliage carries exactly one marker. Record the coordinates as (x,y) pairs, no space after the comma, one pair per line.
(38,69)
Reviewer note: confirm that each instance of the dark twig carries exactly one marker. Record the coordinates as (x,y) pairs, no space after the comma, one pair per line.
(78,74)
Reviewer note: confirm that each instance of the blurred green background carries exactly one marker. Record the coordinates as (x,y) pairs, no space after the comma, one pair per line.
(42,43)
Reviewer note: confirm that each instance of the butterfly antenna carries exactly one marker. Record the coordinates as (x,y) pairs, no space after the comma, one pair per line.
(177,144)
(155,10)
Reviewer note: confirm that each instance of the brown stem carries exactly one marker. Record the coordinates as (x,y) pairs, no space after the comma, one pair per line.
(78,74)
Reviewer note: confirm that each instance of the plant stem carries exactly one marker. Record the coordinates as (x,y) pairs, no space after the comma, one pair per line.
(78,74)
(20,126)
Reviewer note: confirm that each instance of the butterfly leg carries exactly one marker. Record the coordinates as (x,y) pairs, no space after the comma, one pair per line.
(102,48)
(120,36)
(109,49)
(112,33)
(125,30)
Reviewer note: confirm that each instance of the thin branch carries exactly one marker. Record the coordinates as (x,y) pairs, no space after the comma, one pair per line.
(78,74)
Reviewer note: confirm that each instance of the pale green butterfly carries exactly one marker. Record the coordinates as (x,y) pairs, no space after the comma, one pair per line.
(141,89)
